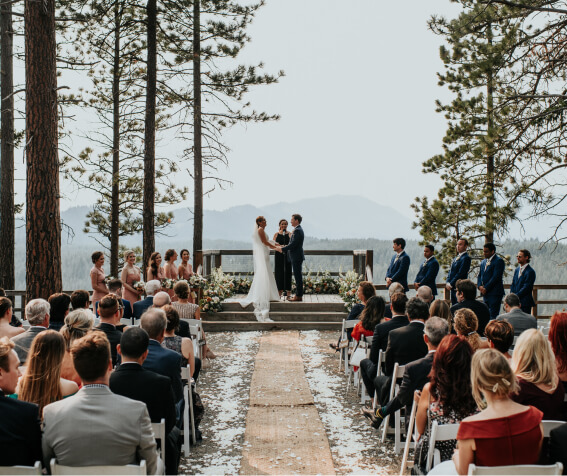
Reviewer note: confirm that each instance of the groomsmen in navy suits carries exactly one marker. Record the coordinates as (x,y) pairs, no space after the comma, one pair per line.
(427,274)
(523,281)
(489,281)
(399,266)
(459,269)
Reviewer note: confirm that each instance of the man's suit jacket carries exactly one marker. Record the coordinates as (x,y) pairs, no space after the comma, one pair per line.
(165,362)
(520,320)
(558,446)
(459,269)
(491,276)
(132,381)
(96,427)
(114,336)
(405,345)
(523,286)
(427,274)
(20,432)
(398,270)
(381,332)
(295,248)
(24,341)
(479,308)
(140,307)
(127,309)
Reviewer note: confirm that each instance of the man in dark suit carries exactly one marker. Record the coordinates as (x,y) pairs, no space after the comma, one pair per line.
(490,282)
(20,432)
(519,319)
(109,310)
(296,255)
(132,381)
(416,374)
(399,266)
(523,281)
(459,268)
(37,314)
(405,345)
(369,367)
(466,297)
(558,446)
(115,287)
(140,307)
(427,274)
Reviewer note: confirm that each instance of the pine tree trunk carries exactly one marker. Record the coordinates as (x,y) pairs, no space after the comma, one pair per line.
(7,274)
(149,136)
(490,196)
(198,164)
(43,225)
(114,217)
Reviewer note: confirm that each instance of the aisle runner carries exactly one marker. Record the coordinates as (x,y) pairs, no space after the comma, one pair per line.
(284,433)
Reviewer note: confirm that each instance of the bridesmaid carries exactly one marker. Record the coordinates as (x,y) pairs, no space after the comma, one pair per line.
(185,271)
(130,274)
(155,270)
(282,263)
(97,278)
(170,270)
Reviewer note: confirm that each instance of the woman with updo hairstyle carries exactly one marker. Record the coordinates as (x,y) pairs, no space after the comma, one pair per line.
(100,289)
(533,362)
(154,269)
(130,275)
(7,330)
(440,308)
(181,345)
(558,338)
(500,336)
(466,325)
(78,323)
(504,432)
(42,383)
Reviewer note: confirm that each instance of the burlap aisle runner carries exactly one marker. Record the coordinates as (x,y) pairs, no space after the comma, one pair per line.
(284,433)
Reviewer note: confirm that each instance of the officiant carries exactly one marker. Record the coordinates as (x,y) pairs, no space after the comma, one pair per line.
(282,262)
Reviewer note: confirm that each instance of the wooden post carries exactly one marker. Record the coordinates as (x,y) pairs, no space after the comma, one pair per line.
(446,294)
(358,262)
(534,309)
(370,261)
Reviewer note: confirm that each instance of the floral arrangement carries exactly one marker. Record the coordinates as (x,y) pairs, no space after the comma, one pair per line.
(197,281)
(242,285)
(108,278)
(168,283)
(348,287)
(139,285)
(321,283)
(219,287)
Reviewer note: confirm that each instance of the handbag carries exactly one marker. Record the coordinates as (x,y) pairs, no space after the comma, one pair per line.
(357,356)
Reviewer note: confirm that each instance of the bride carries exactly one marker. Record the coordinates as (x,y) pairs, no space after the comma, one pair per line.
(263,288)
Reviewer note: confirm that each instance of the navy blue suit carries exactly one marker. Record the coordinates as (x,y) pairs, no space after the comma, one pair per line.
(398,270)
(459,270)
(165,362)
(141,306)
(295,253)
(491,278)
(523,286)
(427,274)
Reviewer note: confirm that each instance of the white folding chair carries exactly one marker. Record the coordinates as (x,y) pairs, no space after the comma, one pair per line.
(21,470)
(188,417)
(549,425)
(159,434)
(412,434)
(381,357)
(518,469)
(57,469)
(396,374)
(196,331)
(343,353)
(439,433)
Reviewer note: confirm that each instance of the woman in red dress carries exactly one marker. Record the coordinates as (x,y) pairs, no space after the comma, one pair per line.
(97,278)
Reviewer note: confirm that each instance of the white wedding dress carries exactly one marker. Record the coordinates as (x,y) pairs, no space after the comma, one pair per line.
(263,288)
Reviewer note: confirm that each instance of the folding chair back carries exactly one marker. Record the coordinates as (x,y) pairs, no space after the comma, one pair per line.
(519,469)
(396,374)
(57,469)
(159,434)
(411,430)
(196,331)
(21,470)
(439,433)
(188,417)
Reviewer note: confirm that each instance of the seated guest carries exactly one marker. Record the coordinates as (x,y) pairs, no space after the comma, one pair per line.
(504,432)
(416,374)
(161,300)
(466,299)
(440,308)
(365,292)
(78,324)
(7,330)
(132,381)
(115,287)
(95,426)
(558,338)
(42,383)
(59,305)
(139,307)
(20,432)
(500,336)
(424,293)
(369,367)
(37,314)
(14,321)
(466,325)
(533,363)
(181,345)
(514,315)
(558,446)
(109,312)
(393,289)
(80,299)
(448,398)
(370,317)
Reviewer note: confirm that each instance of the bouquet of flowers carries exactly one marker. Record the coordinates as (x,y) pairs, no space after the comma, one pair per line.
(167,283)
(197,281)
(139,286)
(210,302)
(108,278)
(348,286)
(242,285)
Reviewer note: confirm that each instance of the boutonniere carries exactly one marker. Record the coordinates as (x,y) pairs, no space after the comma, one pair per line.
(487,264)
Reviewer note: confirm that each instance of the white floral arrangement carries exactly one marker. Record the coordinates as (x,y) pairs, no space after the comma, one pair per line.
(139,285)
(348,287)
(168,283)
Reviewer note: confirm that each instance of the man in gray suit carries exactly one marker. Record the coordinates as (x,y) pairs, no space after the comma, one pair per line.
(514,315)
(95,426)
(37,314)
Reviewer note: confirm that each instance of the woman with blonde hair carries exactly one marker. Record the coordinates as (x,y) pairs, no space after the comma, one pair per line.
(78,323)
(466,325)
(42,383)
(533,363)
(441,308)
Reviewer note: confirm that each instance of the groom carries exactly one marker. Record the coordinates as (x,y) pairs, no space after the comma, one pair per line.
(296,256)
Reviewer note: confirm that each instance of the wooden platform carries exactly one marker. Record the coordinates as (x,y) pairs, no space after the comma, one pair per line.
(319,311)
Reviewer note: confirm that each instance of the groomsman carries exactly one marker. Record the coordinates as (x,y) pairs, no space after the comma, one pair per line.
(523,281)
(427,274)
(489,281)
(399,266)
(459,269)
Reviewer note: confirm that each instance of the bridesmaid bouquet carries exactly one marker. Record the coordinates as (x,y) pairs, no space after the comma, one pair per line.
(108,278)
(197,281)
(139,285)
(168,283)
